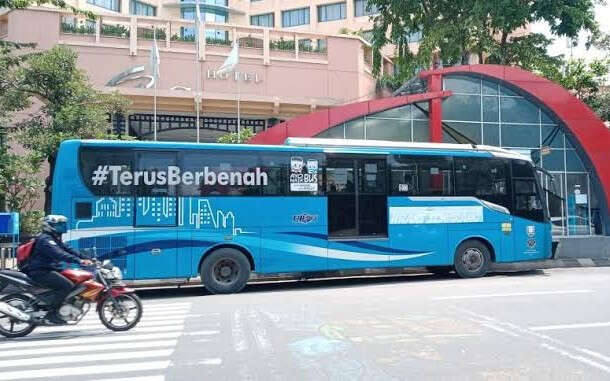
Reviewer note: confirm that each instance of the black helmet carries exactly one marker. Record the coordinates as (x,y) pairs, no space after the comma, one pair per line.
(55,224)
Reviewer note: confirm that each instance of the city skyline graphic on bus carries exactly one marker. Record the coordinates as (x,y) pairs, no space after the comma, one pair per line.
(160,211)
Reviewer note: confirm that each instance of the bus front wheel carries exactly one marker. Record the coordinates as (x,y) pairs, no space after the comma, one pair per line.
(225,271)
(472,259)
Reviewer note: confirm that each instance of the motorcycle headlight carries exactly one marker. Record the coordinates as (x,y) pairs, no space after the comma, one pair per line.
(116,272)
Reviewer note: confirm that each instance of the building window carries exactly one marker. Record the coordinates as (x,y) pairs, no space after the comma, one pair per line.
(187,12)
(331,12)
(361,8)
(263,20)
(142,9)
(113,5)
(295,17)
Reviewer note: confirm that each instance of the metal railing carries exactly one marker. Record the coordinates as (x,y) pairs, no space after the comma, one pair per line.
(179,35)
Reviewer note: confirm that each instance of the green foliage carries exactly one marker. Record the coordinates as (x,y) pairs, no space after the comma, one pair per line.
(288,45)
(30,222)
(582,78)
(21,4)
(72,107)
(19,181)
(452,30)
(600,103)
(586,81)
(80,28)
(231,138)
(118,30)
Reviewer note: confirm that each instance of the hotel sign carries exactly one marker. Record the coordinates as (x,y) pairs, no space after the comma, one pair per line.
(242,76)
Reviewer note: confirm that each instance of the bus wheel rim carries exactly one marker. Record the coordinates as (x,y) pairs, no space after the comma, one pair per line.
(226,271)
(473,259)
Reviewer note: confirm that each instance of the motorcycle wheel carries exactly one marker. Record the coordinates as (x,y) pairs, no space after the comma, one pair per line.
(126,308)
(10,327)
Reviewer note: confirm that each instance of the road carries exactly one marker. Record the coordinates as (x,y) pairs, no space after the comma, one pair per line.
(544,325)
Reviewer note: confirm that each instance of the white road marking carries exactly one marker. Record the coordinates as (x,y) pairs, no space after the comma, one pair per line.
(544,341)
(202,333)
(570,326)
(452,335)
(97,326)
(210,362)
(88,348)
(84,370)
(532,293)
(143,378)
(86,358)
(577,357)
(111,337)
(595,354)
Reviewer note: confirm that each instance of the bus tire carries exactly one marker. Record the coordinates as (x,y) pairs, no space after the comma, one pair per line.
(225,271)
(472,259)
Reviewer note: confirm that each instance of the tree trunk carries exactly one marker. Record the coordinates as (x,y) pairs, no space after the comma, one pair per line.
(49,185)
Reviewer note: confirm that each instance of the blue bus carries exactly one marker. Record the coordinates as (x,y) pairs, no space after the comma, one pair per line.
(178,211)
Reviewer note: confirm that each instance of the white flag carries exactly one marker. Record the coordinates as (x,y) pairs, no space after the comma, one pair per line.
(154,59)
(198,13)
(231,61)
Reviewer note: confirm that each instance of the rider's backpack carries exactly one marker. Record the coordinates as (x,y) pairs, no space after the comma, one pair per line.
(24,252)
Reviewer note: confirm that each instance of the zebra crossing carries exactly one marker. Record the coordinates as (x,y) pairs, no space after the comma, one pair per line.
(91,351)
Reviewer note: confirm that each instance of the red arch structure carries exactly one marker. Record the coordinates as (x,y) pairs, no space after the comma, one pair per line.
(590,132)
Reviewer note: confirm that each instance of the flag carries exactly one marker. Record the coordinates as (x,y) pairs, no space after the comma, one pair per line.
(198,13)
(154,59)
(231,61)
(198,23)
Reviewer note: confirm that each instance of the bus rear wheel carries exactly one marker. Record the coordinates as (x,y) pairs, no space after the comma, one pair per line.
(225,271)
(472,259)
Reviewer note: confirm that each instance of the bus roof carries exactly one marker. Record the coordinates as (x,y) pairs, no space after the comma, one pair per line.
(314,145)
(356,143)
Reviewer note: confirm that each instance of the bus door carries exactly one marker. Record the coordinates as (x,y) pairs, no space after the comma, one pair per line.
(156,233)
(530,226)
(357,211)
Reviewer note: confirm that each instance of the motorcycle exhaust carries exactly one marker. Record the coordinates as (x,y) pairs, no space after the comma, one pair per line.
(13,312)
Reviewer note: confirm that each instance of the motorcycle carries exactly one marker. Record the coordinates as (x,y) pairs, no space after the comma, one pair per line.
(118,307)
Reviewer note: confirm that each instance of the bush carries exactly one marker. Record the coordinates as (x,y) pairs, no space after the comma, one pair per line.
(231,138)
(30,222)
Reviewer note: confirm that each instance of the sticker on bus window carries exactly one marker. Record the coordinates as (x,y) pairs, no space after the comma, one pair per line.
(403,187)
(303,175)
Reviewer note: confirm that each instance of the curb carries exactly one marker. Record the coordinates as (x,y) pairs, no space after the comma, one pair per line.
(552,264)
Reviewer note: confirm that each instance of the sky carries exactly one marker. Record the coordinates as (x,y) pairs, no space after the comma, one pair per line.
(561,45)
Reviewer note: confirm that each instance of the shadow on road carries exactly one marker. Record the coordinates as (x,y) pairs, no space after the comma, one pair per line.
(329,283)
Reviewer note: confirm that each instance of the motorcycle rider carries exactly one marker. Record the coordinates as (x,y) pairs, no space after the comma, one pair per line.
(44,266)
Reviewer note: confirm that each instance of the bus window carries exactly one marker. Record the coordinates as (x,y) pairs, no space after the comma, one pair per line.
(421,175)
(152,163)
(237,168)
(527,202)
(484,178)
(92,158)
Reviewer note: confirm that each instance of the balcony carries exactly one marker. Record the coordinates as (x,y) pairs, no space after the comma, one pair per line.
(179,36)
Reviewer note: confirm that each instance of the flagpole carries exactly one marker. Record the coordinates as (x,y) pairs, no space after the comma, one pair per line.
(155,93)
(238,101)
(197,68)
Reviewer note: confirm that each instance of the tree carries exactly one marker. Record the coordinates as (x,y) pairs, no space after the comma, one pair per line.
(583,79)
(71,107)
(232,138)
(586,81)
(21,4)
(452,30)
(19,181)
